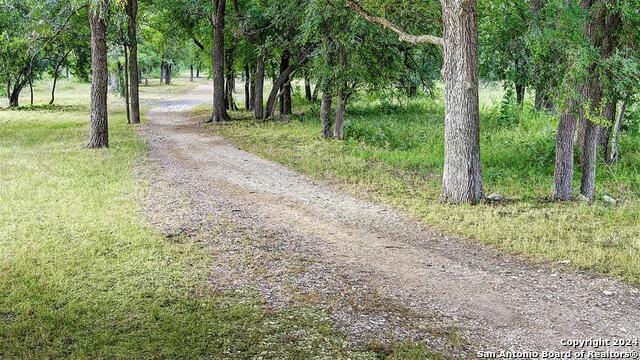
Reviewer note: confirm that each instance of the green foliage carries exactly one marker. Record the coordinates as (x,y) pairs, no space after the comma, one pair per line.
(509,110)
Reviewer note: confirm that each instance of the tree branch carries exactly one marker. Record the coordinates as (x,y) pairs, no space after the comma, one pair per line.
(402,35)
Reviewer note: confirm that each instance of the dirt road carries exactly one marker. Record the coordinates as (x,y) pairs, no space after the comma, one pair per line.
(381,275)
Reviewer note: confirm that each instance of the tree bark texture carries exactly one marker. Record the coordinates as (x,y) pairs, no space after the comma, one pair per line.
(126,83)
(325,115)
(258,92)
(247,88)
(462,179)
(134,73)
(99,130)
(219,110)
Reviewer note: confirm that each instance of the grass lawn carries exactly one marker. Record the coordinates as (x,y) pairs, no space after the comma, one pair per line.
(394,153)
(83,276)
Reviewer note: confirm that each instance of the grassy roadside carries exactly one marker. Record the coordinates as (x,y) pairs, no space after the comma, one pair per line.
(394,155)
(83,276)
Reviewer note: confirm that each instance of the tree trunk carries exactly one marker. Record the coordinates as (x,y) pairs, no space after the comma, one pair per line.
(412,90)
(341,110)
(230,80)
(462,179)
(99,130)
(610,115)
(285,88)
(278,84)
(307,87)
(134,71)
(31,90)
(593,92)
(247,87)
(191,72)
(325,115)
(53,88)
(563,173)
(56,75)
(612,151)
(126,82)
(167,74)
(341,107)
(258,106)
(520,91)
(314,96)
(14,98)
(219,111)
(198,71)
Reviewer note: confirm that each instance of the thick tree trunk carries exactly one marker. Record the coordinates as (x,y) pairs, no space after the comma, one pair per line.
(134,71)
(341,107)
(126,83)
(14,98)
(462,179)
(99,130)
(341,110)
(219,111)
(563,173)
(325,115)
(247,88)
(167,74)
(591,135)
(258,92)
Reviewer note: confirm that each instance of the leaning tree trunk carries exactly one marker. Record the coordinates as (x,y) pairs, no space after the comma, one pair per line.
(56,75)
(462,179)
(14,98)
(134,73)
(279,83)
(99,130)
(219,111)
(258,92)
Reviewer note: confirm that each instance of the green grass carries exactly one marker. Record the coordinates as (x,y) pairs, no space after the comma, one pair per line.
(394,153)
(82,275)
